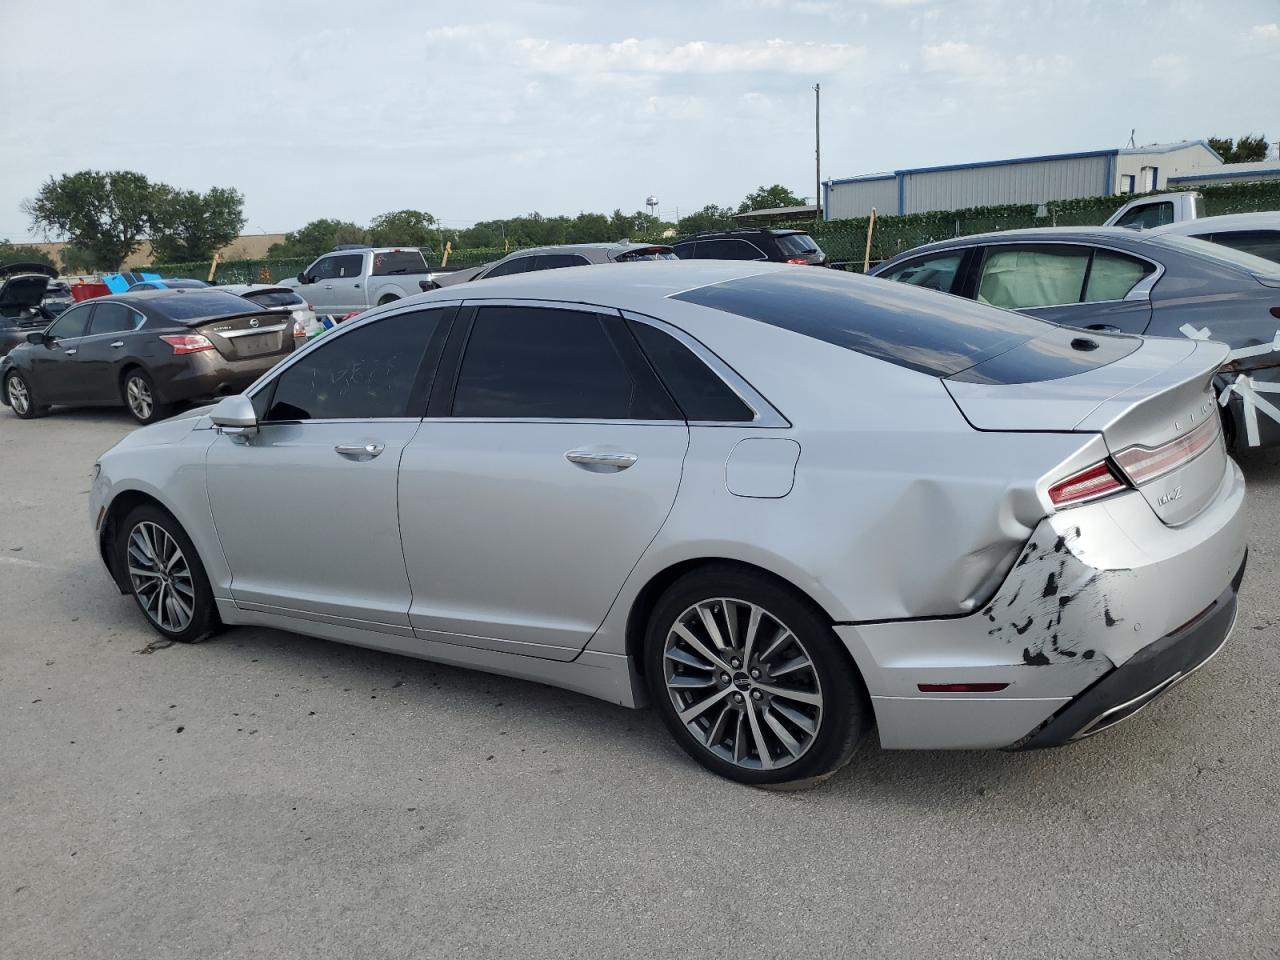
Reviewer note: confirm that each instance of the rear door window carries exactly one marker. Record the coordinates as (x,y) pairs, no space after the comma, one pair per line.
(699,391)
(394,262)
(1040,275)
(549,364)
(729,250)
(508,267)
(114,318)
(1113,275)
(937,272)
(1260,243)
(554,261)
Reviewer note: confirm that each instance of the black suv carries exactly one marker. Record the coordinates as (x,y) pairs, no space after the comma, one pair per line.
(780,246)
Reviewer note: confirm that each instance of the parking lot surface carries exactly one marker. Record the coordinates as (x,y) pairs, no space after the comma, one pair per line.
(264,794)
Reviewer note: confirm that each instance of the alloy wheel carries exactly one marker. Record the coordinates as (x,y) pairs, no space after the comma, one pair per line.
(138,395)
(743,683)
(19,396)
(161,577)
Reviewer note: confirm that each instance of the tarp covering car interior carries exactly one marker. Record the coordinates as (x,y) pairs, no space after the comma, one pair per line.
(1022,278)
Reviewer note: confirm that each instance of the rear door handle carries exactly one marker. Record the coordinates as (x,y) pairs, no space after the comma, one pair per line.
(359,451)
(588,458)
(118,343)
(1103,328)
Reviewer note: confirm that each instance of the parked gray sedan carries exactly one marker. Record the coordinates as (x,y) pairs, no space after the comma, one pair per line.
(778,503)
(1116,279)
(554,257)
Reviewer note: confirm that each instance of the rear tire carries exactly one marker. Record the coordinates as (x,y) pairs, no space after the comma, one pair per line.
(165,575)
(387,299)
(764,693)
(17,390)
(138,391)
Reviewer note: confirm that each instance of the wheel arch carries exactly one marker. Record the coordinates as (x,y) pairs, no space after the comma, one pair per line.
(114,513)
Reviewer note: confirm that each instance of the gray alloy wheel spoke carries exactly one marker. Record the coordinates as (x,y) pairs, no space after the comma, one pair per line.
(18,396)
(161,577)
(139,397)
(738,707)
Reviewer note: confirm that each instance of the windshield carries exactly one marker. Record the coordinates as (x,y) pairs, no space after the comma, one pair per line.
(394,262)
(1219,252)
(796,244)
(648,253)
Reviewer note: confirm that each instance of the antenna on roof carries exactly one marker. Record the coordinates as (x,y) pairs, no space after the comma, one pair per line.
(1131,135)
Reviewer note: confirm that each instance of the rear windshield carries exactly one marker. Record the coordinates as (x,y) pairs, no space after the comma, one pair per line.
(274,298)
(647,253)
(398,261)
(179,283)
(1218,251)
(198,304)
(796,244)
(917,329)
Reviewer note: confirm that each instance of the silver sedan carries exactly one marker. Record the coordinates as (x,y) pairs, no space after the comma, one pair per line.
(779,504)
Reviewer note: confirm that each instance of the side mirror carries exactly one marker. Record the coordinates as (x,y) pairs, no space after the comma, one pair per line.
(36,338)
(235,417)
(303,278)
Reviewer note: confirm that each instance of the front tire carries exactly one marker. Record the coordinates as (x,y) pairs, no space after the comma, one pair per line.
(751,680)
(21,400)
(165,575)
(138,391)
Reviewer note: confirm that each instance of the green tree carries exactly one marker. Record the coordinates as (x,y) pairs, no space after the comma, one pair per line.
(403,228)
(588,228)
(710,217)
(75,259)
(104,213)
(317,237)
(187,225)
(24,253)
(1247,148)
(766,198)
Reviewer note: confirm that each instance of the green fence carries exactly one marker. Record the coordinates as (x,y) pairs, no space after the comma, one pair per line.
(843,240)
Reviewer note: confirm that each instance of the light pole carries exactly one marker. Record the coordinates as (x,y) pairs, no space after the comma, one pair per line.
(817,151)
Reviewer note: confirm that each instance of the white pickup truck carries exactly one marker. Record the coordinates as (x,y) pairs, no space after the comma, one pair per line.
(351,279)
(1157,210)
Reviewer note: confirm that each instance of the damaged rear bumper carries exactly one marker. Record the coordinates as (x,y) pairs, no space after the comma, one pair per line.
(1096,588)
(1153,671)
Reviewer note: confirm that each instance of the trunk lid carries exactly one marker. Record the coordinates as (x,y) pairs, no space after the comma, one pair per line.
(1155,408)
(248,336)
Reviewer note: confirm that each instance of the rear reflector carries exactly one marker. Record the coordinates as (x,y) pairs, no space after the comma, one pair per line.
(1144,464)
(1090,483)
(187,342)
(960,687)
(797,260)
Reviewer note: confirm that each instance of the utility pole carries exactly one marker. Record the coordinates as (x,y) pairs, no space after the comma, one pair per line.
(817,150)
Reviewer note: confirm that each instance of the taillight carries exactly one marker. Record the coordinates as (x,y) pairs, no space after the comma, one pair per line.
(1095,481)
(187,342)
(1144,464)
(797,260)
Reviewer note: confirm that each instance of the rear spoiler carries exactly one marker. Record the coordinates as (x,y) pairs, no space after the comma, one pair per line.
(272,315)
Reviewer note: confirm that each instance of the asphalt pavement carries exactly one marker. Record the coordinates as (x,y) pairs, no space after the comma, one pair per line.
(270,795)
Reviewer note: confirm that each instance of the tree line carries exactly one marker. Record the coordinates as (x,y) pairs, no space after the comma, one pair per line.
(105,216)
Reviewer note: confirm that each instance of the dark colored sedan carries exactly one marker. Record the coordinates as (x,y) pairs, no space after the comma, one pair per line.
(1118,280)
(145,350)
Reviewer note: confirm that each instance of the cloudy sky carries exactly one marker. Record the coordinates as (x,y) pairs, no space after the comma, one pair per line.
(475,111)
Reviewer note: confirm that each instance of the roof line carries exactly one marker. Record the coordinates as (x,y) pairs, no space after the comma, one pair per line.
(1266,173)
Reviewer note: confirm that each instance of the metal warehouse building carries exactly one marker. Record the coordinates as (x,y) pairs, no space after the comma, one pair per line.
(1063,176)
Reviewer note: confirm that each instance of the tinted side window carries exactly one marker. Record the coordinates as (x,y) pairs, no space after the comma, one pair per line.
(1148,215)
(508,267)
(933,273)
(728,250)
(393,262)
(553,261)
(685,251)
(348,265)
(367,372)
(701,394)
(114,318)
(323,269)
(555,364)
(71,324)
(1112,276)
(1043,275)
(1260,243)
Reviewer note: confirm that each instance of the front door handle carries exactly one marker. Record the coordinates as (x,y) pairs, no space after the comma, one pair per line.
(118,343)
(71,352)
(588,458)
(359,451)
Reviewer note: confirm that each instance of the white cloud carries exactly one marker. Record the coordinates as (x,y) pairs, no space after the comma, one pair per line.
(1168,63)
(698,57)
(1265,32)
(962,61)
